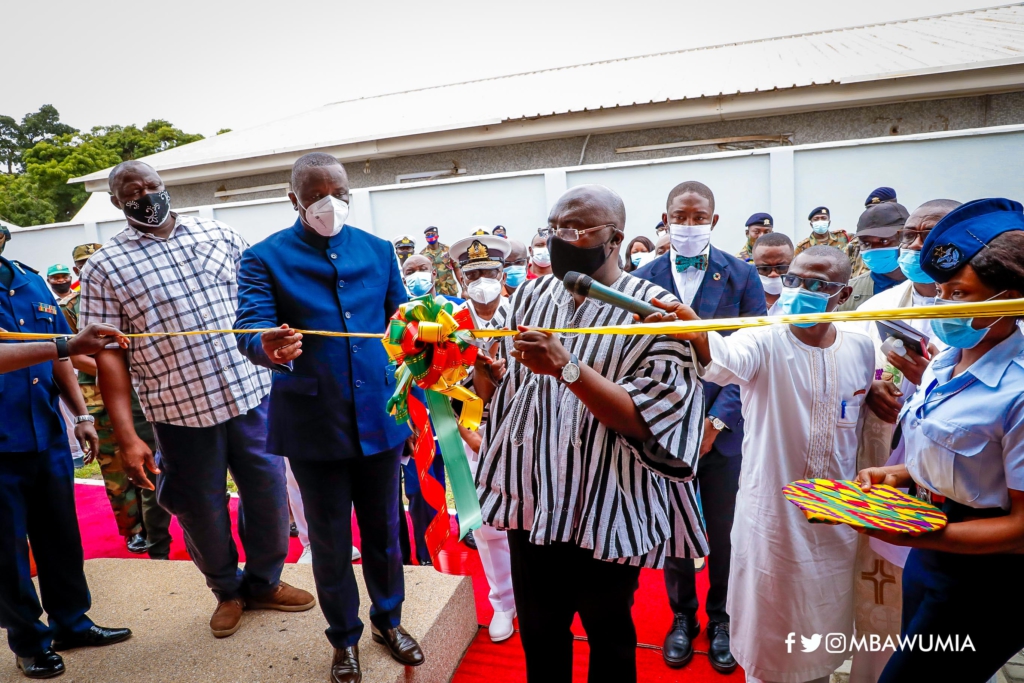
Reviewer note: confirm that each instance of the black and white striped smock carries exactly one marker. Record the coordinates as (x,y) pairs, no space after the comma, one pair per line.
(548,466)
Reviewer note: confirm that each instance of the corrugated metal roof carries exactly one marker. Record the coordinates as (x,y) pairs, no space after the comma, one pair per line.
(942,43)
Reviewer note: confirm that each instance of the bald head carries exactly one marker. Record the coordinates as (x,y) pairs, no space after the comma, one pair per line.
(928,214)
(826,260)
(416,262)
(517,252)
(592,204)
(132,170)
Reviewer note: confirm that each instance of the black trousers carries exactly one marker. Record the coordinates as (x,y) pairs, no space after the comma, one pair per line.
(551,585)
(718,479)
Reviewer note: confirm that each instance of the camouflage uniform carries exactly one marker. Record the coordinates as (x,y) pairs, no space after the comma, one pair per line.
(746,253)
(122,494)
(445,281)
(839,240)
(856,262)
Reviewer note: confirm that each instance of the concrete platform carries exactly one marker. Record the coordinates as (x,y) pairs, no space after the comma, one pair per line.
(168,607)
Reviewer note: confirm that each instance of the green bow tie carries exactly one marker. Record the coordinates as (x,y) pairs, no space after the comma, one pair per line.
(699,262)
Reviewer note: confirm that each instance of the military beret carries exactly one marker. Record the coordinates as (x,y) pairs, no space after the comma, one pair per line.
(760,219)
(5,232)
(431,228)
(503,232)
(818,210)
(83,251)
(879,195)
(58,269)
(965,231)
(882,220)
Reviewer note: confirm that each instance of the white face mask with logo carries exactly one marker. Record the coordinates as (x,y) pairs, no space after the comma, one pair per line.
(484,291)
(326,216)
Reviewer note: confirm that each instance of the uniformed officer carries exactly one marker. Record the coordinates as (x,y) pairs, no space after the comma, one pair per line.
(823,232)
(880,195)
(963,434)
(37,497)
(5,237)
(757,225)
(500,231)
(328,402)
(141,521)
(438,255)
(405,246)
(58,276)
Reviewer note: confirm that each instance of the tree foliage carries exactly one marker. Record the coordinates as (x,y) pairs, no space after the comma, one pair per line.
(41,154)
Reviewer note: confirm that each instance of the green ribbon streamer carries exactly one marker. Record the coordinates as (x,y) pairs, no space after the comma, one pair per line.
(446,427)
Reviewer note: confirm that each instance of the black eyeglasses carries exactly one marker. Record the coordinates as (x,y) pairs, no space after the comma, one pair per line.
(908,237)
(812,284)
(781,269)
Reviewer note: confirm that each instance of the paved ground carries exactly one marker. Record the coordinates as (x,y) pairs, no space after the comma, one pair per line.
(168,607)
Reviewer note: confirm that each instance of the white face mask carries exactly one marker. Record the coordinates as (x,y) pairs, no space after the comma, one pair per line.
(772,285)
(541,257)
(689,240)
(820,227)
(326,216)
(485,290)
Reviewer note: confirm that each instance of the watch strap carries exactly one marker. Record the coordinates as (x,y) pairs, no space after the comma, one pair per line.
(63,352)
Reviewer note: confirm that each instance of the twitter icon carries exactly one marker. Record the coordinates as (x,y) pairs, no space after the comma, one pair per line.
(810,644)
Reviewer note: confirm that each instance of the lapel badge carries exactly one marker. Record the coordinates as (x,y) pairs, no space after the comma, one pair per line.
(716,276)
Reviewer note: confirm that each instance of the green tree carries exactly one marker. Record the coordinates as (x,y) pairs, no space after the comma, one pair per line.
(51,163)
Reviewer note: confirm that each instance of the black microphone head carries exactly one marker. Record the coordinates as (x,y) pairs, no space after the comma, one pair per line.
(577,283)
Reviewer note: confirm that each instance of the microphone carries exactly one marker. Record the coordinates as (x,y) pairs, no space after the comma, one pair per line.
(584,285)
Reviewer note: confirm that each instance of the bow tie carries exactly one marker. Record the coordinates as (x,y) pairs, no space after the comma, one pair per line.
(700,262)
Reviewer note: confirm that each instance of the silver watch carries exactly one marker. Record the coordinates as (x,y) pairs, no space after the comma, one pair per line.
(570,371)
(716,423)
(84,418)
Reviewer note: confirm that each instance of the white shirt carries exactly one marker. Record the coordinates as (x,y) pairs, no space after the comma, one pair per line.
(687,282)
(802,406)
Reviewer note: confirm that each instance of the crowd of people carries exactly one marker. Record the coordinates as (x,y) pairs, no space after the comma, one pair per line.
(598,455)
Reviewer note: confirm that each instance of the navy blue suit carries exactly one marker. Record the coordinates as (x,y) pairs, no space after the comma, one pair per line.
(730,288)
(327,410)
(37,494)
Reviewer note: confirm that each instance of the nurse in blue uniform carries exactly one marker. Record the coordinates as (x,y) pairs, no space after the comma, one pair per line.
(964,439)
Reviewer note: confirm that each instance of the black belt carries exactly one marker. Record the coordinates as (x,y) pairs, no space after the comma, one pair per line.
(957,512)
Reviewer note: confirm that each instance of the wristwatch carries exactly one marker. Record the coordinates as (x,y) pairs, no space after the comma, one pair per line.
(84,418)
(716,423)
(63,352)
(570,371)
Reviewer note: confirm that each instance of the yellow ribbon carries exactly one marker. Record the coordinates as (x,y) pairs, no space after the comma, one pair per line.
(982,309)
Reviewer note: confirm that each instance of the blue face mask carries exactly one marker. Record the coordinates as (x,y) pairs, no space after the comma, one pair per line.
(515,276)
(419,283)
(635,258)
(960,332)
(796,300)
(910,264)
(883,260)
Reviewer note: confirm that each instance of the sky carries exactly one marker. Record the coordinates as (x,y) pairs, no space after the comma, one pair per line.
(213,64)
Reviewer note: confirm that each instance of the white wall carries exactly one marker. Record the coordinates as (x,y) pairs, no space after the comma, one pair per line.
(788,182)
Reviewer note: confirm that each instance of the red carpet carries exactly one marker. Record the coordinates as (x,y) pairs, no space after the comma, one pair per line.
(484,661)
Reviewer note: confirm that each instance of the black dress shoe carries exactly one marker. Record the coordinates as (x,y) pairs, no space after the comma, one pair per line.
(719,654)
(345,665)
(404,649)
(47,664)
(96,636)
(469,540)
(678,648)
(293,530)
(137,544)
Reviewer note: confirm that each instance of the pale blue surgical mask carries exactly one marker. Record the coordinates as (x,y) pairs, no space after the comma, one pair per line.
(636,258)
(515,276)
(882,260)
(910,264)
(960,332)
(419,283)
(820,227)
(797,300)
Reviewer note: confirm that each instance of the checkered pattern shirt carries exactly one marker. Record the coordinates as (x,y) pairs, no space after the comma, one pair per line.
(141,283)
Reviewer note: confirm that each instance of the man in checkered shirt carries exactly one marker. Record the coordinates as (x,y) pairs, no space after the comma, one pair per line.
(207,403)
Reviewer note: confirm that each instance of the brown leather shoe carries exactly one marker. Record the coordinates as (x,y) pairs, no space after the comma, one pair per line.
(403,647)
(284,598)
(345,666)
(227,617)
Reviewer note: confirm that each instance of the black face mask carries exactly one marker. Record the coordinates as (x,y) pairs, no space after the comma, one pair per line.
(566,258)
(61,288)
(150,210)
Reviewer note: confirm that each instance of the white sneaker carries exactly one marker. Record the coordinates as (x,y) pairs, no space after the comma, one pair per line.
(306,557)
(356,555)
(501,627)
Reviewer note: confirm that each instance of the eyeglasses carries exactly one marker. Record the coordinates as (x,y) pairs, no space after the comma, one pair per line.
(572,234)
(908,237)
(812,284)
(544,232)
(781,269)
(876,242)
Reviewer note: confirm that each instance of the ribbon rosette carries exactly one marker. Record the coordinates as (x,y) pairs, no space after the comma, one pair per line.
(432,344)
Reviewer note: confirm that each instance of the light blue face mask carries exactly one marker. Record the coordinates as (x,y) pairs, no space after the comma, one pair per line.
(419,283)
(636,258)
(910,264)
(515,276)
(882,260)
(797,300)
(960,332)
